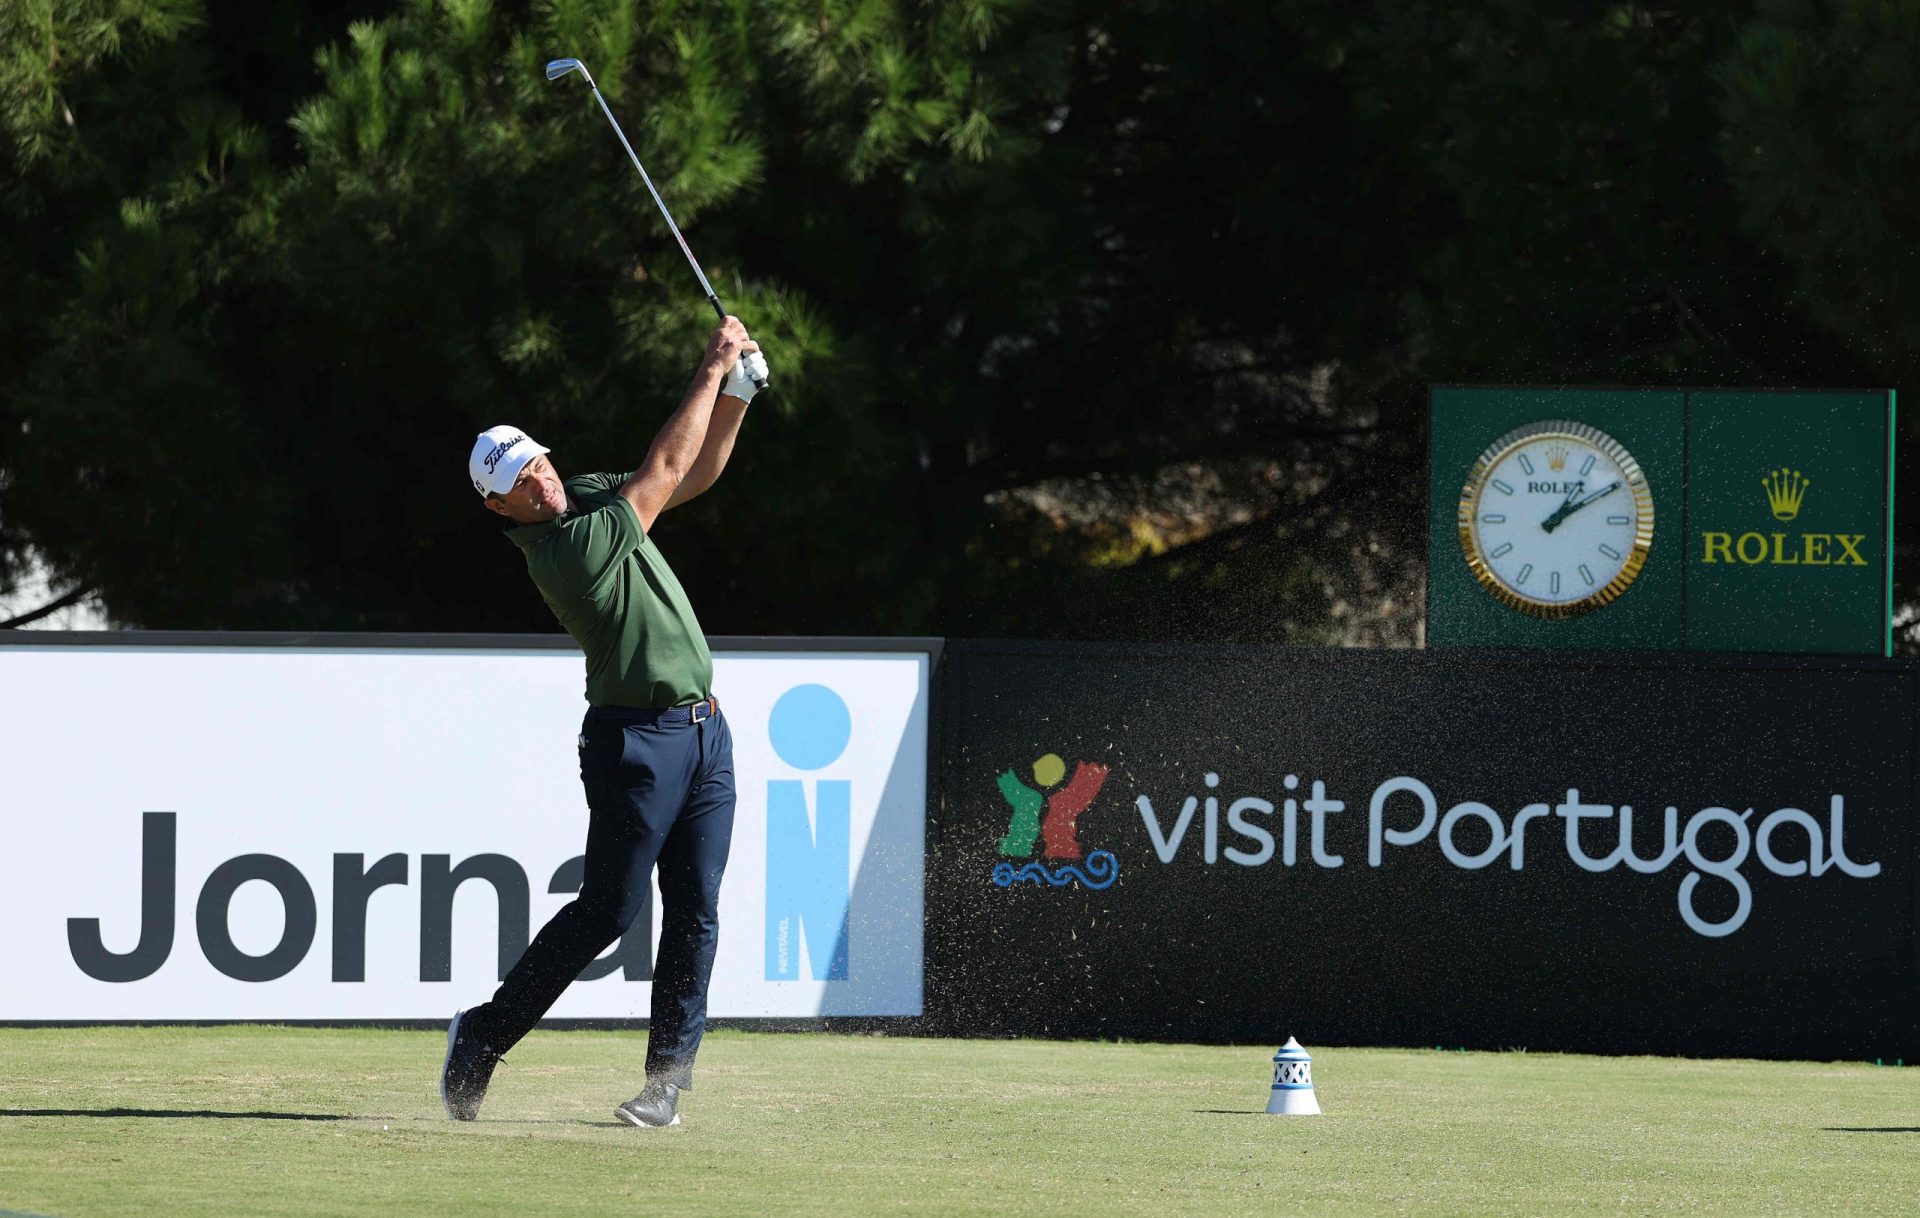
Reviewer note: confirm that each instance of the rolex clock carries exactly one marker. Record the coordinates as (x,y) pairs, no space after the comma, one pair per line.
(1556,519)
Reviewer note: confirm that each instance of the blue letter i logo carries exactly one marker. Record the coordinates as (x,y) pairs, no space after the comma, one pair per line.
(809,859)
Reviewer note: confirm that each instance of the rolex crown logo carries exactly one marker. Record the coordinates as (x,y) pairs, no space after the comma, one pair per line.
(1557,456)
(1785,489)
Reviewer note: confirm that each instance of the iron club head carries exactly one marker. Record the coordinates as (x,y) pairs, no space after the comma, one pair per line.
(556,68)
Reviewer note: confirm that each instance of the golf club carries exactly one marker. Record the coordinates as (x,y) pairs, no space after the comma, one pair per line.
(560,67)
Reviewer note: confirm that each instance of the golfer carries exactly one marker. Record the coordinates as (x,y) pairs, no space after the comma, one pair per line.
(655,754)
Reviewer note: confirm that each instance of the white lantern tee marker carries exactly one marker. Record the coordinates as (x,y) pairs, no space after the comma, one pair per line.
(1292,1093)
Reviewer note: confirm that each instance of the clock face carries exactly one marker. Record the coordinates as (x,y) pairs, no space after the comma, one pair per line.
(1556,519)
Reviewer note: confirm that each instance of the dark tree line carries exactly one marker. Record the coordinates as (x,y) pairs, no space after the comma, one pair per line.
(1085,318)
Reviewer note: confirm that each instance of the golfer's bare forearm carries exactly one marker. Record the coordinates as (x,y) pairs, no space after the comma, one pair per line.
(676,447)
(722,431)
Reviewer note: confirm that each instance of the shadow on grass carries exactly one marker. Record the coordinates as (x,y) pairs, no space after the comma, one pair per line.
(172,1114)
(1873,1128)
(1229,1112)
(578,1121)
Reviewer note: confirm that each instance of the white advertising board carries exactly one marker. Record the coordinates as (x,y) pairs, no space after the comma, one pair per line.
(267,832)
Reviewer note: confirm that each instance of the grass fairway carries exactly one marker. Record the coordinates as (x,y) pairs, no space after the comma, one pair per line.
(267,1121)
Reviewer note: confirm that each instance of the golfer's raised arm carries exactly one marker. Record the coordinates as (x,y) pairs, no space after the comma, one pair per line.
(677,447)
(749,373)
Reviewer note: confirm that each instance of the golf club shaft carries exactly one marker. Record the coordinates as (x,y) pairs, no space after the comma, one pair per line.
(713,298)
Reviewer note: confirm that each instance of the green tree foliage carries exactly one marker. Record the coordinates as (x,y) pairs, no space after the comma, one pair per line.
(1821,139)
(125,170)
(1085,318)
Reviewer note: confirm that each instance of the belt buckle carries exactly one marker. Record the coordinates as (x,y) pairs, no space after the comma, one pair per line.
(693,712)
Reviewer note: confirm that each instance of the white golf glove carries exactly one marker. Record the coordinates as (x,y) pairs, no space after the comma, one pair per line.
(739,383)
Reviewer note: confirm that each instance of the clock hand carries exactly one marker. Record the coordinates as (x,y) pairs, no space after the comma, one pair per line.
(1597,495)
(1564,510)
(1569,508)
(1553,522)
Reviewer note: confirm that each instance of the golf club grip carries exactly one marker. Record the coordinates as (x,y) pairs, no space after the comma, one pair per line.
(720,310)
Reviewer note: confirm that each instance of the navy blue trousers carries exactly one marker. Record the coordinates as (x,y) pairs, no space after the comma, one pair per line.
(657,794)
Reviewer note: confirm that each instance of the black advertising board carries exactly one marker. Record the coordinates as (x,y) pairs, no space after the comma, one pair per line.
(1580,851)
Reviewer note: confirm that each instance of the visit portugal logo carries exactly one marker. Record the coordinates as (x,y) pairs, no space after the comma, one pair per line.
(1058,832)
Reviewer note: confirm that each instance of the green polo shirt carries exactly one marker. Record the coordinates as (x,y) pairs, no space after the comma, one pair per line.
(612,589)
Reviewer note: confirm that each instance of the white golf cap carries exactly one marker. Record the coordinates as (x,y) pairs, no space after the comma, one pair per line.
(499,453)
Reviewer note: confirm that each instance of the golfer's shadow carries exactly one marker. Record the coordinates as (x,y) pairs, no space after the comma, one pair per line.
(1872,1128)
(173,1114)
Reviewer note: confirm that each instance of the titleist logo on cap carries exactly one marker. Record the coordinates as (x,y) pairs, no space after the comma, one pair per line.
(500,450)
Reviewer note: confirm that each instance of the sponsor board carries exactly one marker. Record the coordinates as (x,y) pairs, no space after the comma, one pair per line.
(1497,850)
(265,832)
(1767,523)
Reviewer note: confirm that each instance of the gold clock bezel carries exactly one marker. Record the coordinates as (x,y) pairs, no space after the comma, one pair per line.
(1565,429)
